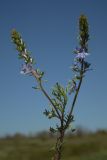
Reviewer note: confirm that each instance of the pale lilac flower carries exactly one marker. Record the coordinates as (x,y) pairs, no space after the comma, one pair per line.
(82,55)
(77,50)
(26,69)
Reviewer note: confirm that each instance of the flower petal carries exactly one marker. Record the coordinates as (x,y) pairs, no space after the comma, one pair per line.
(26,69)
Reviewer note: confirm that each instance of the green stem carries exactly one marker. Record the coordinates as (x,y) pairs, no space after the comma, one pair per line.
(74,101)
(75,97)
(48,97)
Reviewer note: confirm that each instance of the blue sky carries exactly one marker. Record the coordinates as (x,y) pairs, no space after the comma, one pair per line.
(50,29)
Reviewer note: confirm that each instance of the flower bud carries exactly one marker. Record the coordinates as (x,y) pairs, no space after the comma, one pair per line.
(84,35)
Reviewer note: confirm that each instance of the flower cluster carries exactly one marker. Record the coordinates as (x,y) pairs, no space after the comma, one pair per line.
(80,59)
(26,69)
(80,65)
(83,32)
(81,54)
(21,47)
(23,53)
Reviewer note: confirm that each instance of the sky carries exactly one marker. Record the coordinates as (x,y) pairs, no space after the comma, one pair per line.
(50,30)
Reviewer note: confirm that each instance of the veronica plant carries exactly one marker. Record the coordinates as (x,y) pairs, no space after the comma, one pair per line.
(58,99)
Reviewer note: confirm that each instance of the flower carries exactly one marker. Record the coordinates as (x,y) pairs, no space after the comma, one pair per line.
(81,55)
(77,50)
(26,69)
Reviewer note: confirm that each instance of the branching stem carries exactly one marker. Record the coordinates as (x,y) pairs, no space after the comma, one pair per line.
(48,97)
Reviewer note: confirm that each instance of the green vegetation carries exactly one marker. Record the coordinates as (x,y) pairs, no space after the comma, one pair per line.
(80,146)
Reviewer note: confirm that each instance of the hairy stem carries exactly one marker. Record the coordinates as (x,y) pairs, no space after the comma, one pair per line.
(58,146)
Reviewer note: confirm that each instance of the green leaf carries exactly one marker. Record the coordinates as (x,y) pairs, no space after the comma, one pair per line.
(60,94)
(36,88)
(53,130)
(46,112)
